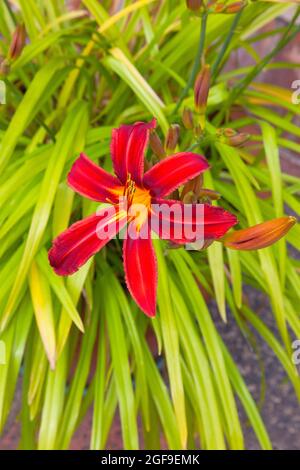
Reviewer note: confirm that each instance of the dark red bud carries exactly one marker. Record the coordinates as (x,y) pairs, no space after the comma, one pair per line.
(188,118)
(156,145)
(17,43)
(201,89)
(172,137)
(194,5)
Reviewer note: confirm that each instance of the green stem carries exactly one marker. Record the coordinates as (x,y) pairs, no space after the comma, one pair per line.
(243,84)
(19,96)
(224,48)
(197,62)
(285,39)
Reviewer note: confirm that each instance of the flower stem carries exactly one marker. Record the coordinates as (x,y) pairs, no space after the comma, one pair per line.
(285,39)
(225,45)
(197,62)
(239,88)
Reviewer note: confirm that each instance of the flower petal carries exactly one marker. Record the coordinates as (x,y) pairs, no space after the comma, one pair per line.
(173,171)
(186,223)
(72,248)
(140,266)
(89,180)
(128,146)
(217,221)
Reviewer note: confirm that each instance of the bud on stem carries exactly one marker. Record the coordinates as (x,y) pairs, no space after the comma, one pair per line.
(194,5)
(193,186)
(235,7)
(188,118)
(201,91)
(209,194)
(232,138)
(222,8)
(172,137)
(17,43)
(259,236)
(238,140)
(156,145)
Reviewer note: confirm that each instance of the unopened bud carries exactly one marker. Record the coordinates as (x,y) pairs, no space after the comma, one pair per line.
(199,130)
(231,137)
(209,194)
(156,145)
(228,132)
(219,8)
(194,5)
(172,137)
(259,236)
(201,89)
(235,7)
(17,43)
(193,186)
(238,140)
(189,198)
(188,118)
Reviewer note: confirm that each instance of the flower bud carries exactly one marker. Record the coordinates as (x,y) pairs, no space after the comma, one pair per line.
(156,145)
(193,186)
(208,194)
(199,130)
(172,137)
(188,118)
(259,236)
(194,5)
(238,140)
(201,89)
(235,7)
(231,137)
(228,132)
(219,8)
(17,43)
(188,198)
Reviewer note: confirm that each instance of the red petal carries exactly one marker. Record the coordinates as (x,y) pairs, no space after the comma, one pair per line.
(186,223)
(91,181)
(217,221)
(140,266)
(172,172)
(128,146)
(72,248)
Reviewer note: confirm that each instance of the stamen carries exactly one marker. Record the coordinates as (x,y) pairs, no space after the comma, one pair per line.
(129,189)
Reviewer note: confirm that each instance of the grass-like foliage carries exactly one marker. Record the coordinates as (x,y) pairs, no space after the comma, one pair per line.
(81,342)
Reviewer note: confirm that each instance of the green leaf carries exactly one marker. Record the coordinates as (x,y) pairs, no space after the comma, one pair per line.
(43,85)
(236,275)
(42,304)
(120,64)
(57,284)
(121,368)
(71,136)
(171,344)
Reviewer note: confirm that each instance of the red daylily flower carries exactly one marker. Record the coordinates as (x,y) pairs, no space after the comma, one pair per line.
(77,244)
